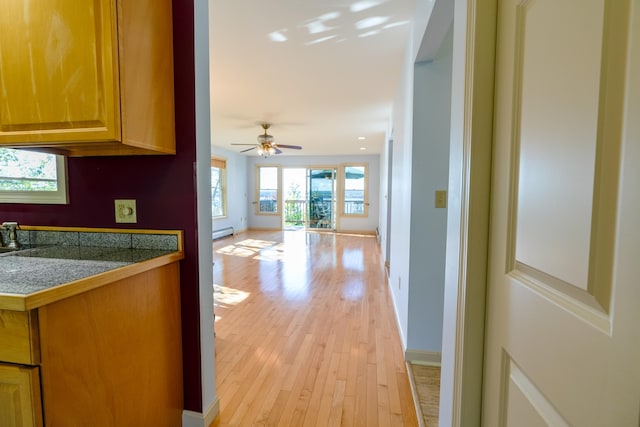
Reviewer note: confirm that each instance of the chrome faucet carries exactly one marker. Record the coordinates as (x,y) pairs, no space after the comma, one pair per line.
(12,228)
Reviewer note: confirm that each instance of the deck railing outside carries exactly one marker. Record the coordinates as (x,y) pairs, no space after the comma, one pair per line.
(354,207)
(295,212)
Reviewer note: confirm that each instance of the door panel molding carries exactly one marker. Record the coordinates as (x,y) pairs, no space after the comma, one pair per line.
(575,300)
(579,225)
(518,391)
(562,343)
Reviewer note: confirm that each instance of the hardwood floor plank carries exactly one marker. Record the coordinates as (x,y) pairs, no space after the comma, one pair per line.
(306,333)
(372,395)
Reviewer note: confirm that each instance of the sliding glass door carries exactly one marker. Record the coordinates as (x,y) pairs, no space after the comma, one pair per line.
(294,187)
(322,198)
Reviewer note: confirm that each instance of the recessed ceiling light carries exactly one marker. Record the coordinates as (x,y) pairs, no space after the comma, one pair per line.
(361,138)
(363,148)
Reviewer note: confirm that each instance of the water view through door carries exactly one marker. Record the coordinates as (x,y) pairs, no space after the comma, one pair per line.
(309,198)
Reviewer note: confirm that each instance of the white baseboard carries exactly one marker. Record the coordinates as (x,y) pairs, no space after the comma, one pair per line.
(196,419)
(421,357)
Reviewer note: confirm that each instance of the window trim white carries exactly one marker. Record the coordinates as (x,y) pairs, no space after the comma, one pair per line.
(365,202)
(278,169)
(223,186)
(59,197)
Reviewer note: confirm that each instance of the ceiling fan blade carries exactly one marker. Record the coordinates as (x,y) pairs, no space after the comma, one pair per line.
(278,151)
(295,147)
(243,144)
(248,149)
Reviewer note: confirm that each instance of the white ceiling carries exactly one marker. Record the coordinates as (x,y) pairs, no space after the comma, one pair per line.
(323,72)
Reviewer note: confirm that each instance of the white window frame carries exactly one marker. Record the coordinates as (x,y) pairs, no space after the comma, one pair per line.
(365,201)
(278,206)
(59,197)
(223,185)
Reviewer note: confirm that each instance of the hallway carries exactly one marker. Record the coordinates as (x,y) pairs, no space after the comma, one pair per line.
(306,333)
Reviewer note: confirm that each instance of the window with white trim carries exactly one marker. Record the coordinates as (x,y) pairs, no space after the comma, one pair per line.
(218,187)
(30,177)
(355,196)
(267,189)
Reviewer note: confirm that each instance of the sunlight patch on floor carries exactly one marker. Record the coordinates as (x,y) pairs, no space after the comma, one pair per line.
(249,247)
(237,251)
(258,244)
(228,296)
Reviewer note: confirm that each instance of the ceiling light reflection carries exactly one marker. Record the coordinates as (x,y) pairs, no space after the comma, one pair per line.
(369,33)
(395,24)
(363,5)
(317,27)
(353,290)
(329,16)
(278,36)
(320,40)
(371,22)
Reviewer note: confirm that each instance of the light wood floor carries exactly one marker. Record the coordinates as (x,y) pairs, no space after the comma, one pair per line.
(306,333)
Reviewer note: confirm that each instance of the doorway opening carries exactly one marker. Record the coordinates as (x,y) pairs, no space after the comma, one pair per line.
(309,198)
(294,188)
(322,198)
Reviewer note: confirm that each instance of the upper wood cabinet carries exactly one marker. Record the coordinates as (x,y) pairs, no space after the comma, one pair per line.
(87,77)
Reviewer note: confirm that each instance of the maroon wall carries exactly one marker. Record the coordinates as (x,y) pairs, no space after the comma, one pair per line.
(163,186)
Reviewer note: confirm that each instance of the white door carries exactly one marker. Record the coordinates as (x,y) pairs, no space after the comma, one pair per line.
(563,313)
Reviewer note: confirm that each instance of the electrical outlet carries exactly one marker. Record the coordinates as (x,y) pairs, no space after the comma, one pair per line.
(126,211)
(399,282)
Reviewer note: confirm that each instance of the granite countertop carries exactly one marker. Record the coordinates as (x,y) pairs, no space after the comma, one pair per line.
(31,270)
(54,264)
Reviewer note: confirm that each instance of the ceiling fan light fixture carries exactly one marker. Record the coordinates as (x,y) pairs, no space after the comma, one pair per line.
(265,150)
(265,138)
(266,146)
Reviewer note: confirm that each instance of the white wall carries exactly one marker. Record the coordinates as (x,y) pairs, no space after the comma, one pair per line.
(420,320)
(367,224)
(401,196)
(237,201)
(430,172)
(401,125)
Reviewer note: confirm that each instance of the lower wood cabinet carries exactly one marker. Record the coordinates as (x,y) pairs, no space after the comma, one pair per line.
(20,401)
(111,356)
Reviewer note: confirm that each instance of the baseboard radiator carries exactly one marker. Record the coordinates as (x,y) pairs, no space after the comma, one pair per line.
(223,232)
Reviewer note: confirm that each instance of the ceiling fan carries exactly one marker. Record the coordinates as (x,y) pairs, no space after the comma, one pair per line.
(266,145)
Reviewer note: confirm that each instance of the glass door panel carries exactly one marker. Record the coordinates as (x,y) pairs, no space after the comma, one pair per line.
(322,198)
(294,188)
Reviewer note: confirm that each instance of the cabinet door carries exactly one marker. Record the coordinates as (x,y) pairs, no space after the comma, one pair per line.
(20,402)
(58,71)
